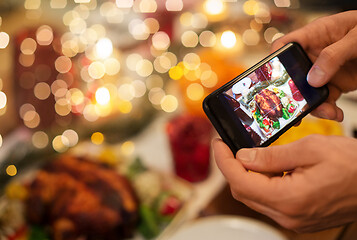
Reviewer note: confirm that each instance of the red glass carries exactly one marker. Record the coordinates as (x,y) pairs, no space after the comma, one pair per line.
(190,138)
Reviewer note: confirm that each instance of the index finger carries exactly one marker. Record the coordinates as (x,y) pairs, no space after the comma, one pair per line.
(298,36)
(249,185)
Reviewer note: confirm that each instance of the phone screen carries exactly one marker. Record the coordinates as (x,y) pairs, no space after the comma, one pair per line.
(265,101)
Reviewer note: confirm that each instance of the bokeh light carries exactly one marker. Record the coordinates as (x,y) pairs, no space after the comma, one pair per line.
(102,96)
(160,41)
(169,103)
(189,39)
(126,92)
(96,70)
(207,39)
(63,64)
(26,60)
(112,66)
(62,107)
(124,3)
(176,72)
(195,91)
(191,61)
(28,46)
(153,81)
(228,39)
(125,107)
(70,138)
(251,37)
(104,48)
(270,33)
(89,113)
(3,99)
(174,5)
(44,35)
(144,68)
(42,90)
(58,144)
(11,170)
(156,94)
(251,7)
(40,139)
(31,119)
(127,148)
(214,7)
(97,138)
(152,25)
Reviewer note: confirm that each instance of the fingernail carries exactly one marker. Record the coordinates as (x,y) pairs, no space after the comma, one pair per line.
(246,155)
(315,76)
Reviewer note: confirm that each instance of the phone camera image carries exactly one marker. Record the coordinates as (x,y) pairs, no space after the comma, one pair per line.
(266,100)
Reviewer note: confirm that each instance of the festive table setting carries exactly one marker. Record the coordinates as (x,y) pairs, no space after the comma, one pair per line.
(102,131)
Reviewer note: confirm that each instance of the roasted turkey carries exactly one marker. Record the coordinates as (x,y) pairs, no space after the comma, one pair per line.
(80,198)
(269,104)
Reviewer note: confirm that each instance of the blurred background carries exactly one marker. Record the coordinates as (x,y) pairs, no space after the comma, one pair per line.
(118,86)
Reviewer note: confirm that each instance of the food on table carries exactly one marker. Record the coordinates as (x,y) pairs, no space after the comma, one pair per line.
(241,86)
(77,197)
(264,72)
(169,204)
(269,104)
(282,80)
(254,90)
(295,91)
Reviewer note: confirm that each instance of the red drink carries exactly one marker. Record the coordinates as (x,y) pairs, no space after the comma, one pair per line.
(190,138)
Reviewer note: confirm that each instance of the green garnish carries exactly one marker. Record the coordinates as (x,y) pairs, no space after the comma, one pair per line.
(286,114)
(276,125)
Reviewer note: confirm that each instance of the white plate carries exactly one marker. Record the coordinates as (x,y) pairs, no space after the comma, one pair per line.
(227,228)
(242,85)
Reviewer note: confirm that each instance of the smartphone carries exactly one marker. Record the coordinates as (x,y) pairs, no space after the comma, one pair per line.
(262,103)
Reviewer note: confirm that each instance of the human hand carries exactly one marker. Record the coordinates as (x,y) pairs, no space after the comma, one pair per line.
(319,192)
(330,43)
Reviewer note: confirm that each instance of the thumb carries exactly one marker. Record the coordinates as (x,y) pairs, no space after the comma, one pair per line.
(276,159)
(332,58)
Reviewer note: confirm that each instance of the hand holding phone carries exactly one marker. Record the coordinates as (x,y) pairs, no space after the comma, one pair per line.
(259,105)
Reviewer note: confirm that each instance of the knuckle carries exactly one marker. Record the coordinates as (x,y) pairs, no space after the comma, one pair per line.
(329,54)
(265,155)
(313,138)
